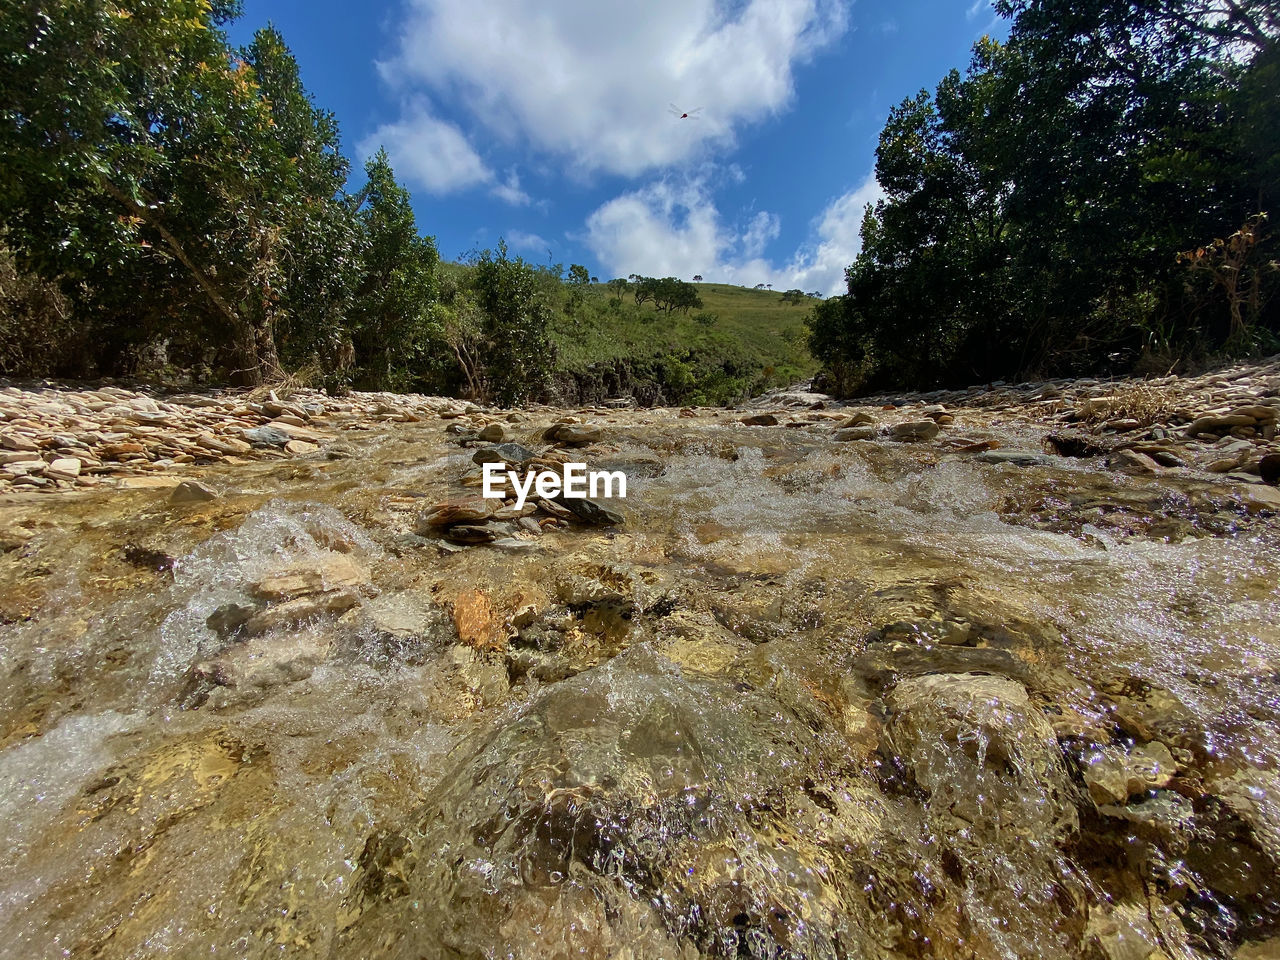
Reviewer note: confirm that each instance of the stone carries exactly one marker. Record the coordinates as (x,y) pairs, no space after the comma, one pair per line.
(855,433)
(914,430)
(192,492)
(982,752)
(493,433)
(591,511)
(512,454)
(575,434)
(472,533)
(1257,498)
(858,419)
(266,437)
(16,441)
(1218,424)
(20,456)
(221,444)
(1114,775)
(64,468)
(300,610)
(1269,469)
(1016,458)
(148,483)
(456,511)
(1132,463)
(300,448)
(478,623)
(329,572)
(261,664)
(760,420)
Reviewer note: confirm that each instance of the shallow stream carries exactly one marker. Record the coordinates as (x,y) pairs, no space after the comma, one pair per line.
(813,699)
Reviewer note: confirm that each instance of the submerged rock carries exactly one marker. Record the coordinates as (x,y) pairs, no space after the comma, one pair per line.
(982,752)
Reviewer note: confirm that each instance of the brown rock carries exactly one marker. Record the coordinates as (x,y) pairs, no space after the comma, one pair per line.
(457,511)
(192,491)
(230,445)
(335,571)
(1132,462)
(478,624)
(16,441)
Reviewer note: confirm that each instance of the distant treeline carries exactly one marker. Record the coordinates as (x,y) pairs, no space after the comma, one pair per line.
(1092,195)
(167,201)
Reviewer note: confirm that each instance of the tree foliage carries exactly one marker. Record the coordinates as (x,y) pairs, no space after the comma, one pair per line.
(1035,205)
(394,332)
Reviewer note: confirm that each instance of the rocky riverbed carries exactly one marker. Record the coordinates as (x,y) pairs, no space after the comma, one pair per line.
(981,674)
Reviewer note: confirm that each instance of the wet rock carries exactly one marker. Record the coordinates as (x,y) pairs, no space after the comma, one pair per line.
(192,491)
(914,430)
(591,511)
(512,454)
(1269,469)
(1132,462)
(574,434)
(579,591)
(1113,775)
(300,610)
(760,420)
(251,668)
(856,433)
(148,558)
(456,511)
(858,419)
(331,572)
(478,622)
(474,533)
(982,752)
(1016,458)
(1257,499)
(643,792)
(300,448)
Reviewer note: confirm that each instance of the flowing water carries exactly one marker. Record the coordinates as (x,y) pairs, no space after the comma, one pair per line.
(813,699)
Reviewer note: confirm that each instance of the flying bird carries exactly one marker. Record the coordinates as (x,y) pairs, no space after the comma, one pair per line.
(684,114)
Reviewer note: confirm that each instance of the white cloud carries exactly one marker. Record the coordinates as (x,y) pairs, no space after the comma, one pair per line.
(434,154)
(590,80)
(509,190)
(763,228)
(674,229)
(528,242)
(428,152)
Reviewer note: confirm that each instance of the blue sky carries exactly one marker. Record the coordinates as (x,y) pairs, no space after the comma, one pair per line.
(548,123)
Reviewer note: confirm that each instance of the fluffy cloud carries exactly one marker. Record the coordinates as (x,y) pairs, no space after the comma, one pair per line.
(674,229)
(590,80)
(434,154)
(429,152)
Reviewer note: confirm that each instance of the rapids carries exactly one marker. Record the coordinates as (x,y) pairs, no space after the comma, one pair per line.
(813,699)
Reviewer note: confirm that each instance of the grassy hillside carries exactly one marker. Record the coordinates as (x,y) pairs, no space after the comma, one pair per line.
(741,342)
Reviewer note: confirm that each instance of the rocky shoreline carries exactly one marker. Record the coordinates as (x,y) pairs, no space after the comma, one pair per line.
(61,437)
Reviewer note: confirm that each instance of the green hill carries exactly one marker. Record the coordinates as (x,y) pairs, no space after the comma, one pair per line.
(739,343)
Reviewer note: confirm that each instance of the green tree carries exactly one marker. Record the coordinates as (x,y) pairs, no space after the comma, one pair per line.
(578,280)
(519,353)
(321,260)
(391,320)
(144,167)
(1035,205)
